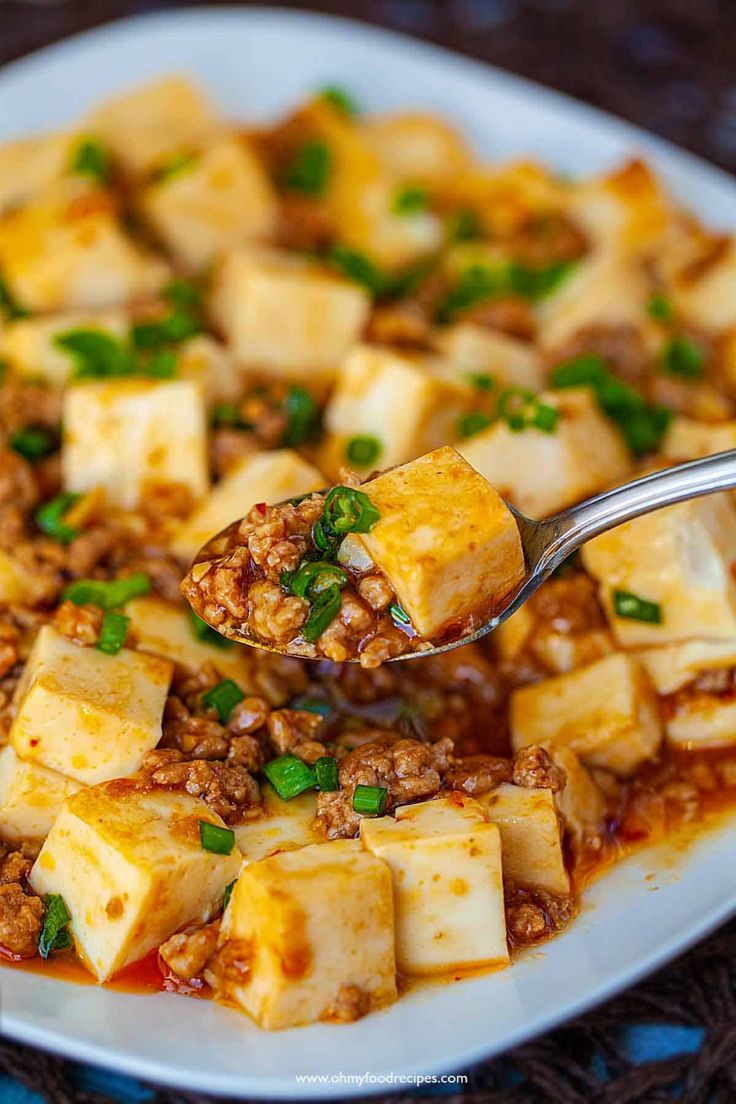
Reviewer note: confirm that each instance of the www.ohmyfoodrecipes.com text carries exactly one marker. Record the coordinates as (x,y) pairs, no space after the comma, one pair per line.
(381,1079)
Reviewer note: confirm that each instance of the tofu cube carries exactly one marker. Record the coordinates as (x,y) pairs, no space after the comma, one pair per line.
(222,199)
(28,165)
(531,836)
(24,584)
(445,859)
(704,721)
(446,541)
(625,212)
(416,146)
(475,349)
(606,712)
(129,863)
(580,803)
(30,797)
(704,293)
(280,826)
(28,346)
(317,922)
(147,126)
(409,404)
(284,316)
(674,666)
(585,454)
(131,436)
(681,558)
(209,363)
(88,715)
(67,250)
(269,477)
(688,439)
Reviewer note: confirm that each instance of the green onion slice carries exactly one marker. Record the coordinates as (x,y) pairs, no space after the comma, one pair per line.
(482,381)
(223,698)
(315,576)
(228,893)
(10,308)
(633,608)
(313,705)
(472,423)
(289,776)
(410,199)
(521,409)
(681,357)
(91,159)
(309,171)
(54,934)
(50,517)
(660,308)
(325,770)
(108,595)
(34,442)
(340,99)
(348,510)
(370,800)
(205,634)
(220,841)
(363,450)
(464,226)
(326,541)
(399,614)
(325,609)
(113,632)
(303,415)
(360,269)
(98,355)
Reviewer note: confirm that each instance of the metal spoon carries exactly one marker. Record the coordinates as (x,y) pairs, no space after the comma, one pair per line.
(547,543)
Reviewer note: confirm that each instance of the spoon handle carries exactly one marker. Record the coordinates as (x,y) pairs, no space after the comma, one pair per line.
(563,533)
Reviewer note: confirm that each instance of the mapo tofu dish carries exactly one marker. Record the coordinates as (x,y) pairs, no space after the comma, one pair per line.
(361,339)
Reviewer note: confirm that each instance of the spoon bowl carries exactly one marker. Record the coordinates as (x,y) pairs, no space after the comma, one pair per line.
(547,543)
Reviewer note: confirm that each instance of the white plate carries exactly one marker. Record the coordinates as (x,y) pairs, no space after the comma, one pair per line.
(257,62)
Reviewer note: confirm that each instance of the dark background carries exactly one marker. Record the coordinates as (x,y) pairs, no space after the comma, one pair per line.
(669,65)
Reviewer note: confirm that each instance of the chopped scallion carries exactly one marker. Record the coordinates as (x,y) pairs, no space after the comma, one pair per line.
(223,698)
(470,424)
(113,632)
(370,800)
(55,931)
(520,409)
(220,841)
(339,98)
(481,381)
(91,159)
(309,171)
(10,308)
(465,226)
(50,517)
(399,614)
(683,358)
(108,595)
(34,442)
(289,776)
(410,199)
(228,894)
(359,268)
(313,705)
(325,770)
(660,308)
(633,608)
(314,576)
(325,608)
(98,355)
(303,413)
(348,510)
(176,165)
(205,634)
(363,451)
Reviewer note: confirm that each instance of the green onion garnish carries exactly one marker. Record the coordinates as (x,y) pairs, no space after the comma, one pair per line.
(182,294)
(54,934)
(314,576)
(399,614)
(171,330)
(464,226)
(113,632)
(228,893)
(476,284)
(325,770)
(521,409)
(538,283)
(363,450)
(410,199)
(348,510)
(659,307)
(470,424)
(633,608)
(313,705)
(223,698)
(108,595)
(50,517)
(339,98)
(289,776)
(98,355)
(10,308)
(325,609)
(162,365)
(91,159)
(683,358)
(359,268)
(33,442)
(207,635)
(481,381)
(309,171)
(370,800)
(176,165)
(325,540)
(303,415)
(220,841)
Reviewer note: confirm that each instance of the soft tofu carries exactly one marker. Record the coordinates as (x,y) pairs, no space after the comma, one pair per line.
(30,797)
(129,863)
(315,921)
(88,715)
(209,363)
(28,165)
(28,346)
(688,439)
(269,477)
(131,436)
(681,558)
(221,199)
(408,404)
(22,583)
(541,473)
(417,146)
(475,349)
(147,126)
(67,250)
(445,540)
(625,212)
(704,293)
(606,712)
(674,666)
(280,826)
(445,859)
(284,316)
(705,721)
(580,802)
(531,836)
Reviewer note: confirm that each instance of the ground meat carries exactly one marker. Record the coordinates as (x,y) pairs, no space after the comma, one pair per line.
(248,716)
(15,867)
(230,966)
(336,816)
(187,953)
(228,789)
(273,615)
(569,604)
(288,728)
(10,647)
(403,323)
(547,238)
(18,485)
(340,640)
(377,591)
(479,774)
(81,624)
(350,1005)
(533,915)
(622,346)
(509,314)
(21,920)
(534,769)
(278,542)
